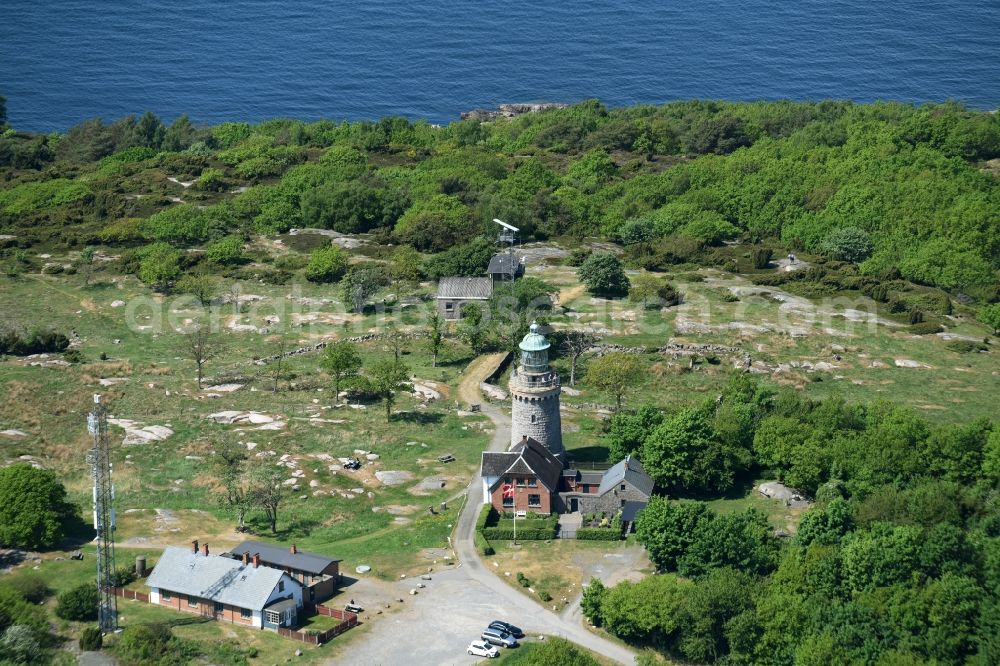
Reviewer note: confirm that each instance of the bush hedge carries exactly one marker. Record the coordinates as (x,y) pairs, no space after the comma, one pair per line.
(598,534)
(524,533)
(487,517)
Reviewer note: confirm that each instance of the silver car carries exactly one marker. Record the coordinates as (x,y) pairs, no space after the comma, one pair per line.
(498,637)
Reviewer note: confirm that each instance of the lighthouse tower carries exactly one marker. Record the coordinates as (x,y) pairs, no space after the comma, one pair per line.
(534,390)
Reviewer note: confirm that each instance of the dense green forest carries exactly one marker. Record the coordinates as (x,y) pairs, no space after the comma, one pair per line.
(898,562)
(902,191)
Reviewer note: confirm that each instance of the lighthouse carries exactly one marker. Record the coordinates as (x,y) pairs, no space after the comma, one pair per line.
(534,389)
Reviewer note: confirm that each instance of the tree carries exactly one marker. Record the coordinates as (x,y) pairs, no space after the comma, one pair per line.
(230,462)
(742,540)
(575,344)
(590,603)
(159,265)
(668,528)
(386,378)
(627,431)
(436,223)
(361,283)
(669,453)
(201,346)
(435,335)
(604,275)
(848,244)
(327,264)
(652,292)
(34,511)
(990,315)
(465,259)
(615,373)
(202,286)
(342,361)
(266,490)
(404,265)
(78,604)
(85,265)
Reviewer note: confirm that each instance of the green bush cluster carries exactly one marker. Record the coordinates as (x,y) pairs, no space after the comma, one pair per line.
(18,343)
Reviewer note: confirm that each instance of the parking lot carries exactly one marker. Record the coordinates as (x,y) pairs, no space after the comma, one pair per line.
(434,626)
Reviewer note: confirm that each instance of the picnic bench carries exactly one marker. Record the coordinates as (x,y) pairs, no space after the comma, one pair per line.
(446,458)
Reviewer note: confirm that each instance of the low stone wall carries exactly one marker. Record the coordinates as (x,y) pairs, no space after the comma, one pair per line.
(673,348)
(368,337)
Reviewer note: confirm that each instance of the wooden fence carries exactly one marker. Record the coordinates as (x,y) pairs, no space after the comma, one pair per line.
(130,594)
(347,621)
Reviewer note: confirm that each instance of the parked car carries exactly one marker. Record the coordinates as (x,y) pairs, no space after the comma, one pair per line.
(499,637)
(483,649)
(507,627)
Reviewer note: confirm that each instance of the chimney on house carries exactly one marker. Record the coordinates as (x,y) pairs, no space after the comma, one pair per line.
(204,549)
(246,558)
(256,560)
(194,546)
(293,549)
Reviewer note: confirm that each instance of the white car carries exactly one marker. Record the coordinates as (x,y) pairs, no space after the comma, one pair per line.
(483,649)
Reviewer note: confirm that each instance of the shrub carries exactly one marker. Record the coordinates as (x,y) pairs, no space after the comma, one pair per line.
(91,639)
(182,224)
(925,328)
(544,596)
(16,343)
(31,586)
(327,264)
(228,250)
(79,604)
(598,534)
(487,517)
(966,346)
(916,317)
(990,315)
(760,257)
(523,580)
(159,264)
(122,576)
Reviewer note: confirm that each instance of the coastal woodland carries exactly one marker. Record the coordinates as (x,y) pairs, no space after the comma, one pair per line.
(738,293)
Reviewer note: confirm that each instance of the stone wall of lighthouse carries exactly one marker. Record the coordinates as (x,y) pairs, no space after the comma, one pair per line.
(534,390)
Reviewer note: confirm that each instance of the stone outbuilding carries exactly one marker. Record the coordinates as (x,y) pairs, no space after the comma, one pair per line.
(625,482)
(455,292)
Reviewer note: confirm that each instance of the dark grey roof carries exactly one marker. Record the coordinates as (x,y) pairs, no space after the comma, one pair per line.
(281,605)
(591,476)
(310,563)
(502,263)
(527,457)
(465,287)
(222,579)
(631,509)
(628,470)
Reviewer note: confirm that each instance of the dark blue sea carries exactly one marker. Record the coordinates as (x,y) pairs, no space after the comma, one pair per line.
(62,61)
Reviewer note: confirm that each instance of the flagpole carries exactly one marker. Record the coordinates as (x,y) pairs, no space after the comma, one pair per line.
(515,520)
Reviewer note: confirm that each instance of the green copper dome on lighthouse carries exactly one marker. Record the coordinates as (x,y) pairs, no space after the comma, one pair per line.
(534,341)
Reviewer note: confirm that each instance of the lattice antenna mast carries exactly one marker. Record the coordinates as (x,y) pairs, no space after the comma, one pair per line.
(99,458)
(508,237)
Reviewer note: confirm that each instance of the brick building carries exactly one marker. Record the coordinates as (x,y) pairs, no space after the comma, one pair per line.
(531,470)
(239,591)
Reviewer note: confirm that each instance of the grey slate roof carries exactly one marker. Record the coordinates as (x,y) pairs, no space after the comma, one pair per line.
(502,263)
(214,577)
(465,287)
(311,563)
(527,457)
(631,509)
(628,470)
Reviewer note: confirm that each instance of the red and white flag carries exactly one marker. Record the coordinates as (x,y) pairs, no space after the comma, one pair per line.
(508,490)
